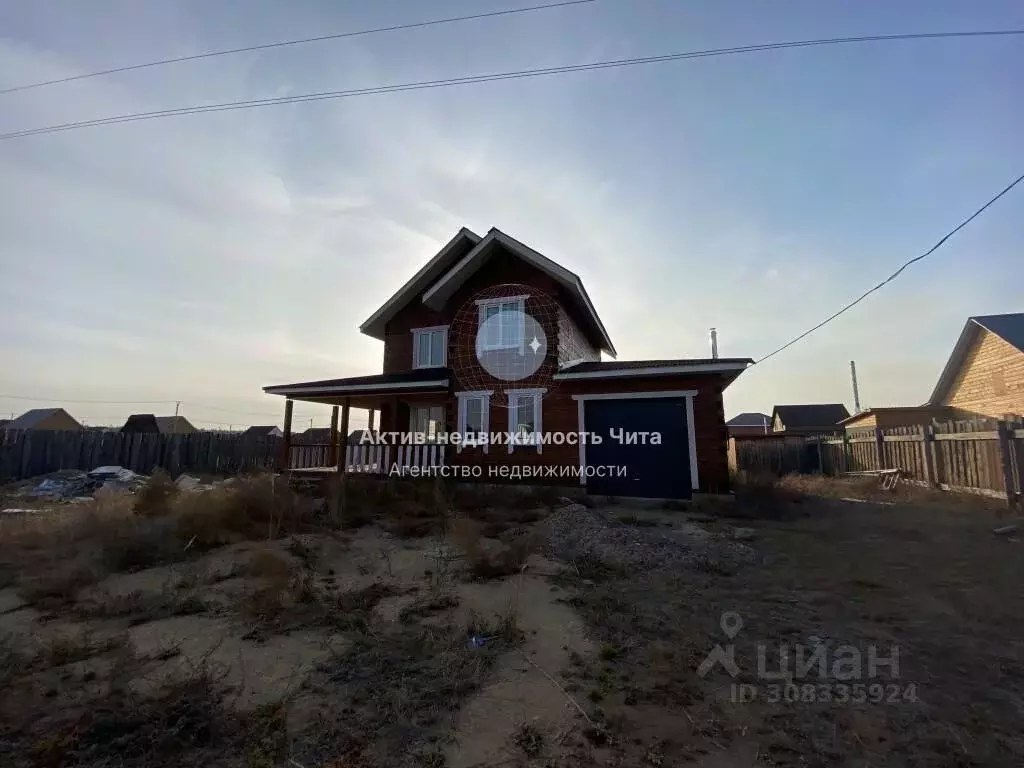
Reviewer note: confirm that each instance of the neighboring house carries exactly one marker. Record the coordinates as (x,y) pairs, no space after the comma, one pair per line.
(314,436)
(158,425)
(355,437)
(817,418)
(4,423)
(984,376)
(268,431)
(45,419)
(749,424)
(491,336)
(897,416)
(174,425)
(141,423)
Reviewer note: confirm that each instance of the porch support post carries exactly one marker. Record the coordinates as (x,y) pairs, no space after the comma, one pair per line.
(369,419)
(286,437)
(344,432)
(332,455)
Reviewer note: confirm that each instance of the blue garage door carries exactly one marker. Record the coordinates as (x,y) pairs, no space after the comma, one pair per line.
(652,471)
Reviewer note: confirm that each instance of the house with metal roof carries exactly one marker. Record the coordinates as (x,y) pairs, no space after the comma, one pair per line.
(45,419)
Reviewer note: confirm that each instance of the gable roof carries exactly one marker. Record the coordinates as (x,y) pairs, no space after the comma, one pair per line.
(812,415)
(749,419)
(141,422)
(260,431)
(453,279)
(453,250)
(1010,328)
(460,258)
(173,425)
(34,416)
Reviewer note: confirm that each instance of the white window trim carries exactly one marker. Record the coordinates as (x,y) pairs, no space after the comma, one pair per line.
(416,332)
(484,395)
(689,394)
(538,413)
(483,304)
(412,415)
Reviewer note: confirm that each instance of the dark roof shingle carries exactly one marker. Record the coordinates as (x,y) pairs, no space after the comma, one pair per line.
(1010,328)
(813,415)
(749,419)
(30,418)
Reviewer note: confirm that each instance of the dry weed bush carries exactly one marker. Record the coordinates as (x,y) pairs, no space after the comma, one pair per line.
(488,563)
(55,555)
(156,495)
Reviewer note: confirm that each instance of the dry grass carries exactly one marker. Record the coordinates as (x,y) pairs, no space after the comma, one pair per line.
(155,497)
(53,556)
(930,578)
(401,689)
(488,563)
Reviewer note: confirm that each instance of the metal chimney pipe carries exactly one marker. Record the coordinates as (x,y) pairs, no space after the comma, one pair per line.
(714,344)
(856,392)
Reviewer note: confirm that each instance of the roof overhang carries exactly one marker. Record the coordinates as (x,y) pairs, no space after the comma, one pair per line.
(680,369)
(454,278)
(344,389)
(377,322)
(956,360)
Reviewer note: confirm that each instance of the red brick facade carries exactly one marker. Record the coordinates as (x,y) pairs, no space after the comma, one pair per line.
(557,312)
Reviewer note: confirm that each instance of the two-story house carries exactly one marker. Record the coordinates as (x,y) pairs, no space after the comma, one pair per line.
(493,358)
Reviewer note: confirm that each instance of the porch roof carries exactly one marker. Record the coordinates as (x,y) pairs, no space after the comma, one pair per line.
(420,380)
(730,367)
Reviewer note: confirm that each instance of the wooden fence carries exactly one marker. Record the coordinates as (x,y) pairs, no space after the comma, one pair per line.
(984,456)
(25,454)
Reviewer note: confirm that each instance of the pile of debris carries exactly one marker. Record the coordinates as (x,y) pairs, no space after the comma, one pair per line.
(75,485)
(575,533)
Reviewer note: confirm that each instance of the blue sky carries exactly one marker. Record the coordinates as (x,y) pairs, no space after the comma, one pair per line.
(200,258)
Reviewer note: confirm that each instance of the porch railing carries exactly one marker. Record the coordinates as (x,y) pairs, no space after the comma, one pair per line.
(367,459)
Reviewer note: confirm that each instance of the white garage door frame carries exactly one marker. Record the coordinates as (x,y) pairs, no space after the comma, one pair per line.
(687,394)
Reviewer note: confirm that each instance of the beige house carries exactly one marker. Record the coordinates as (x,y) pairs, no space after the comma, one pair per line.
(896,416)
(984,376)
(46,419)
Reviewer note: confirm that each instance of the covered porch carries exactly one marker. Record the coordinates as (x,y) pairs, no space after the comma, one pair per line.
(411,401)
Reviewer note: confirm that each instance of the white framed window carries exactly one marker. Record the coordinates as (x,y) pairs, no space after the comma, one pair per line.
(507,331)
(525,417)
(474,416)
(427,420)
(430,347)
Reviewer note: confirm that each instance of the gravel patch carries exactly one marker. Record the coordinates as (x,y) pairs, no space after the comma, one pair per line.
(575,533)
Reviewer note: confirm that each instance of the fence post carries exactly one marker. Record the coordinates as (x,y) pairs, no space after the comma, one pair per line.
(821,456)
(879,448)
(1005,432)
(928,455)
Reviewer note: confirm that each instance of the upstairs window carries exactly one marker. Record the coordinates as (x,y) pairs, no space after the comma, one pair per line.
(502,323)
(430,347)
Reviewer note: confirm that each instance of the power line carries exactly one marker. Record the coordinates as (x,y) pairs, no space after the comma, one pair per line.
(485,78)
(94,402)
(302,41)
(897,273)
(139,402)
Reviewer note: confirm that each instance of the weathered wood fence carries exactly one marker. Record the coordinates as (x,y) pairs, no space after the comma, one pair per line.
(25,454)
(984,456)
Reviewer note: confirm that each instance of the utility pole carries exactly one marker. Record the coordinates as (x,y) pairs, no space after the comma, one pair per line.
(856,392)
(177,405)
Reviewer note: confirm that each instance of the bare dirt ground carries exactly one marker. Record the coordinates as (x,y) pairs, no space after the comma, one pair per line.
(248,626)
